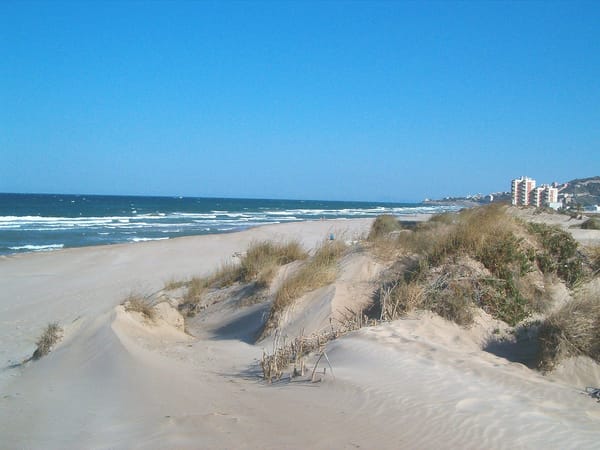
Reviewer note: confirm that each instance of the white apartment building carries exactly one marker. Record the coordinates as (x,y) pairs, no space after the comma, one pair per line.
(544,195)
(521,189)
(525,193)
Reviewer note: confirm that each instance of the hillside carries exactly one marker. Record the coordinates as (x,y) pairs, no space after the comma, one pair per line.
(584,190)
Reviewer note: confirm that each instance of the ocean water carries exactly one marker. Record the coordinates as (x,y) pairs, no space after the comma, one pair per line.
(43,222)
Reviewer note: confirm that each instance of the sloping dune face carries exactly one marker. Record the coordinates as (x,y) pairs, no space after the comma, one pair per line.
(444,392)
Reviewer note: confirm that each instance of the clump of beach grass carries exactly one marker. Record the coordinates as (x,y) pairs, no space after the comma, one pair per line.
(573,330)
(174,284)
(382,226)
(139,303)
(262,259)
(48,339)
(258,265)
(320,270)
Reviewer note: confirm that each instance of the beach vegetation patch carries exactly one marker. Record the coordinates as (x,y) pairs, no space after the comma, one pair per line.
(318,271)
(286,353)
(479,257)
(263,258)
(48,339)
(592,223)
(259,263)
(174,284)
(559,253)
(140,304)
(573,330)
(594,259)
(258,266)
(383,225)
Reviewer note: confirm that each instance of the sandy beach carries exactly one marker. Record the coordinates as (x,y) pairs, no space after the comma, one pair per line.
(116,381)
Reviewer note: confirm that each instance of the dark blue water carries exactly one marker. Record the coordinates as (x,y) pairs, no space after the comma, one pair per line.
(36,222)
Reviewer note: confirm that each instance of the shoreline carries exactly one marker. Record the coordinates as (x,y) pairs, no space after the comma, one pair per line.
(417,217)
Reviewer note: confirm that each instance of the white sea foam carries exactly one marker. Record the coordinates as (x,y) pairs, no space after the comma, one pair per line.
(132,227)
(141,239)
(37,248)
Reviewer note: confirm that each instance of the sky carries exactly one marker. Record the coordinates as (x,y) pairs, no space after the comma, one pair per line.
(380,101)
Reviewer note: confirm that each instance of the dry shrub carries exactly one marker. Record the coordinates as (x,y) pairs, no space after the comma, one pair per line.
(47,340)
(573,330)
(400,298)
(383,225)
(592,223)
(453,302)
(594,258)
(285,352)
(140,304)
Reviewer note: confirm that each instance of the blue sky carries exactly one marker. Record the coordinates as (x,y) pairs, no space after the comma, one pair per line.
(318,100)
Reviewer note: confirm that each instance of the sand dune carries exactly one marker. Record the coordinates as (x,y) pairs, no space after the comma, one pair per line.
(118,381)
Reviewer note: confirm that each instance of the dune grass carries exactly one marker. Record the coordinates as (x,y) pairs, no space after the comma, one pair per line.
(173,284)
(382,226)
(261,261)
(48,339)
(508,250)
(258,265)
(139,303)
(320,270)
(572,331)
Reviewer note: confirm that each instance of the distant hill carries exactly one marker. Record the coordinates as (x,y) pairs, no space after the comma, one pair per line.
(584,190)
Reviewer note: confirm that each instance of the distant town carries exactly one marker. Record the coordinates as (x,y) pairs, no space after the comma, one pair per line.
(576,194)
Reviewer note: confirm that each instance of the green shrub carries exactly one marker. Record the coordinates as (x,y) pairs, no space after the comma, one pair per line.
(559,253)
(503,300)
(453,303)
(591,224)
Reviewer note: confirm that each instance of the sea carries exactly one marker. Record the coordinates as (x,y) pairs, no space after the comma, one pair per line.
(46,222)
